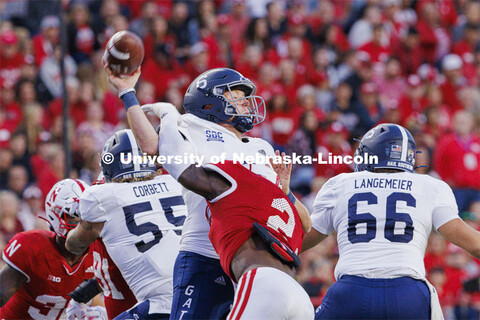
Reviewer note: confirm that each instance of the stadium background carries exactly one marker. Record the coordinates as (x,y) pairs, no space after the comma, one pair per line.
(328,70)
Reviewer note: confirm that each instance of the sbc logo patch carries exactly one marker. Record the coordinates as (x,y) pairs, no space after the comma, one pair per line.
(213,135)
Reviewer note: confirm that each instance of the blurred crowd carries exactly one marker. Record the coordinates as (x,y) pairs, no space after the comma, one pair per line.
(328,71)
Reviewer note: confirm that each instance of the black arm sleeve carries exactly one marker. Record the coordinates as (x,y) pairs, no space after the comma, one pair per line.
(86,291)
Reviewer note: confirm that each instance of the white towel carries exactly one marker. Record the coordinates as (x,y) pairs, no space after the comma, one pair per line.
(436,309)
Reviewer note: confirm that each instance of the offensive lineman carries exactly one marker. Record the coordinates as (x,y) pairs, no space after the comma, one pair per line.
(39,271)
(108,279)
(213,127)
(137,215)
(383,214)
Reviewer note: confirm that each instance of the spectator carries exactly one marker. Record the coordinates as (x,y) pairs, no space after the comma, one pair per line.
(457,160)
(352,116)
(31,209)
(6,160)
(33,124)
(148,12)
(9,223)
(409,52)
(378,48)
(282,121)
(158,35)
(45,42)
(12,113)
(362,30)
(466,48)
(452,69)
(178,25)
(54,170)
(392,84)
(304,142)
(82,40)
(276,21)
(370,101)
(76,106)
(95,125)
(11,60)
(17,179)
(434,39)
(50,71)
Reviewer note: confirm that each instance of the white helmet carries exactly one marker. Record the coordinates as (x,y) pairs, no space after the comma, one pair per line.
(62,200)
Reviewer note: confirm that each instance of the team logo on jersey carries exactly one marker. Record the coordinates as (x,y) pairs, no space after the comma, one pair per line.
(396,151)
(54,279)
(213,135)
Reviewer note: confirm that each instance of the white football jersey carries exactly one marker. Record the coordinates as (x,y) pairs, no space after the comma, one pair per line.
(141,233)
(210,139)
(383,221)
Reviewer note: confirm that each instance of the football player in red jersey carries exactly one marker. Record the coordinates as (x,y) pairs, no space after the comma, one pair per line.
(255,227)
(39,271)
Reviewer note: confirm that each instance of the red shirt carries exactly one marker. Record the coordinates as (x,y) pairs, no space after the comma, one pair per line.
(50,278)
(11,70)
(458,162)
(117,294)
(282,123)
(13,116)
(240,204)
(449,94)
(377,53)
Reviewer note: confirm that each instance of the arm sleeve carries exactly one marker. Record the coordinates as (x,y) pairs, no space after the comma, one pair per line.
(322,219)
(17,254)
(445,207)
(91,209)
(173,146)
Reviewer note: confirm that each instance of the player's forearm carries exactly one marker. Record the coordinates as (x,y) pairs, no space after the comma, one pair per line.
(84,234)
(74,244)
(304,216)
(312,238)
(143,130)
(10,281)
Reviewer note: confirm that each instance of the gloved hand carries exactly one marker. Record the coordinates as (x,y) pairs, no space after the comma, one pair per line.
(76,310)
(161,110)
(96,313)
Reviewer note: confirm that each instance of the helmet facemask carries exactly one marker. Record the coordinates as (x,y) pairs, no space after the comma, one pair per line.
(64,218)
(243,122)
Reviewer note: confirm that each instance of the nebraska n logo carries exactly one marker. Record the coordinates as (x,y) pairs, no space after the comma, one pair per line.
(12,248)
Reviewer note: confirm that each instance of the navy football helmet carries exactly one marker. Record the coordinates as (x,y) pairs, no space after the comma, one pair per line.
(392,144)
(123,144)
(204,98)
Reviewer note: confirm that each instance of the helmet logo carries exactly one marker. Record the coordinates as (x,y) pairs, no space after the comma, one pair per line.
(410,155)
(369,134)
(396,151)
(54,194)
(202,82)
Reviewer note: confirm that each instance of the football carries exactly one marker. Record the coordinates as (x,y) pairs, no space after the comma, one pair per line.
(124,53)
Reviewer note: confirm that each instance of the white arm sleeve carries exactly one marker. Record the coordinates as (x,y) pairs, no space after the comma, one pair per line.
(445,207)
(322,219)
(91,209)
(173,146)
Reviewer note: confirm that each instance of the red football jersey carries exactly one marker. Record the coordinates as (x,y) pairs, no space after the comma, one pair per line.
(252,198)
(50,278)
(117,295)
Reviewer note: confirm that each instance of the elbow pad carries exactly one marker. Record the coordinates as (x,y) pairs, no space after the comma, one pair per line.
(86,291)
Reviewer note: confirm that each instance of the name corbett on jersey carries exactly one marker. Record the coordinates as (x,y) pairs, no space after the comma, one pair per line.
(384,183)
(150,189)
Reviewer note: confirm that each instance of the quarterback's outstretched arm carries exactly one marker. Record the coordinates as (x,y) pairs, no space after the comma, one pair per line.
(10,281)
(143,130)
